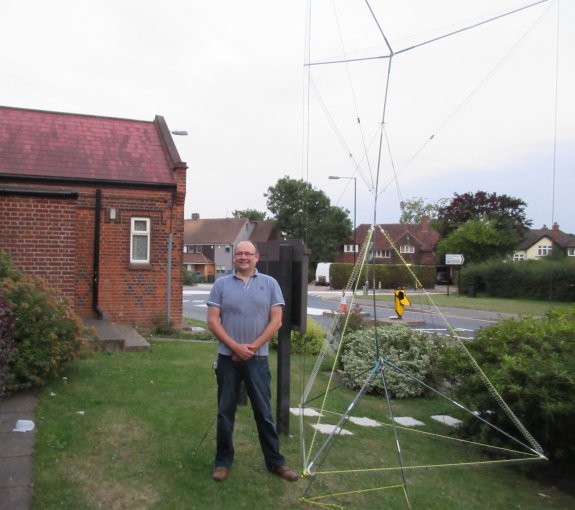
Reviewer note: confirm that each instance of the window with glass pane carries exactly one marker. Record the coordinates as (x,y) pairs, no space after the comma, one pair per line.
(544,250)
(140,245)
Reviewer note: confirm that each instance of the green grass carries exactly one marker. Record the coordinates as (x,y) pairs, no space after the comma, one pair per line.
(136,431)
(511,306)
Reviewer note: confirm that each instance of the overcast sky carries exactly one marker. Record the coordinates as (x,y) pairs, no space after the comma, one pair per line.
(490,109)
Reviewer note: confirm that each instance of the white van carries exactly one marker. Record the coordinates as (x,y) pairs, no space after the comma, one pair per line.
(322,273)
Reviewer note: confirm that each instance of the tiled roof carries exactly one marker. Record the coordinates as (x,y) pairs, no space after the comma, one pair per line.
(227,230)
(264,231)
(560,238)
(212,230)
(420,235)
(196,258)
(66,146)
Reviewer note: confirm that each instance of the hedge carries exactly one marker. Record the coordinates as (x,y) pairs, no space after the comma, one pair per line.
(386,276)
(546,280)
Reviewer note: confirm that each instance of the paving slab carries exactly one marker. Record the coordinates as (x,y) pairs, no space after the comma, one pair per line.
(325,428)
(17,451)
(447,420)
(408,421)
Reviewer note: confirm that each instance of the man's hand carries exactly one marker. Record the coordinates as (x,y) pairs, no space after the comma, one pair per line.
(243,352)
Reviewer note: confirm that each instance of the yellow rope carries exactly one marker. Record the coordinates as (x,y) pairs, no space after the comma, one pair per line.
(314,500)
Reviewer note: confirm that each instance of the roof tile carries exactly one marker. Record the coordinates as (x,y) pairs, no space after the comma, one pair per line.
(45,144)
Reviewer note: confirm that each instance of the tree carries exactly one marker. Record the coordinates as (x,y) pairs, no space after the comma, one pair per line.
(503,209)
(414,210)
(250,214)
(480,240)
(302,212)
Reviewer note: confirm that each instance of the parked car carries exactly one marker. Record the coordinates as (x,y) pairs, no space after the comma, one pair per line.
(322,273)
(443,277)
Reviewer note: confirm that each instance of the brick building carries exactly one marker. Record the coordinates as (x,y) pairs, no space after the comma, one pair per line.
(95,205)
(416,244)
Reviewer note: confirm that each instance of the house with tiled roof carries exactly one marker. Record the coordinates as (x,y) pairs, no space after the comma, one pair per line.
(95,206)
(209,243)
(416,244)
(542,242)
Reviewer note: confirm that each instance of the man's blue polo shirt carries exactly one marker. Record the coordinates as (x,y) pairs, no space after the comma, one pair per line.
(245,307)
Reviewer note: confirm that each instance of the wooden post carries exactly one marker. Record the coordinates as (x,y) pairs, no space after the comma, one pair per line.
(284,342)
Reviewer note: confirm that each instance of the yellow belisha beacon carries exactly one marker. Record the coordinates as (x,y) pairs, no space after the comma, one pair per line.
(401,302)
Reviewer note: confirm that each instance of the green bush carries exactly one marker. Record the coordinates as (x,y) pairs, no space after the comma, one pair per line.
(549,280)
(162,325)
(531,363)
(309,342)
(413,353)
(6,269)
(47,333)
(386,276)
(6,342)
(191,277)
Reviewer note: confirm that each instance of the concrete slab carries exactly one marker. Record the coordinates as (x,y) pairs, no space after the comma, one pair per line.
(447,420)
(133,341)
(306,411)
(325,428)
(364,422)
(15,498)
(117,337)
(407,421)
(16,451)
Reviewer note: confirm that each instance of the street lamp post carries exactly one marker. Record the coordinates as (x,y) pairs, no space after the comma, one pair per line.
(336,177)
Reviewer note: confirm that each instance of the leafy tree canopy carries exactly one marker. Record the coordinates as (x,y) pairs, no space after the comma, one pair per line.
(480,240)
(415,209)
(250,214)
(503,209)
(302,212)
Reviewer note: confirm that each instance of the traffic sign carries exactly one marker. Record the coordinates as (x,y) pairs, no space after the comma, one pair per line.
(454,259)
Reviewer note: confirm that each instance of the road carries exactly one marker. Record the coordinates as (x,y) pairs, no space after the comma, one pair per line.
(323,302)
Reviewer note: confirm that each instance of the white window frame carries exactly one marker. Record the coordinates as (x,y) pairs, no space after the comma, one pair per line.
(571,252)
(140,233)
(407,248)
(544,250)
(382,254)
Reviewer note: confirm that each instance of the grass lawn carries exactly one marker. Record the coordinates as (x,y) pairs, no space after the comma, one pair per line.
(136,431)
(453,300)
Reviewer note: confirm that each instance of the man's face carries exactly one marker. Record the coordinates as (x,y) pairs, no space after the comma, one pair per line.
(245,258)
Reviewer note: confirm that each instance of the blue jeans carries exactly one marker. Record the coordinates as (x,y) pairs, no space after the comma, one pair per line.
(257,379)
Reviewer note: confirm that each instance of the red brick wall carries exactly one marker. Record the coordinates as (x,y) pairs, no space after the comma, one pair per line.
(54,238)
(39,234)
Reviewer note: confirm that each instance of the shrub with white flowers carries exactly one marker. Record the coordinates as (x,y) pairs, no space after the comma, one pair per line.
(412,352)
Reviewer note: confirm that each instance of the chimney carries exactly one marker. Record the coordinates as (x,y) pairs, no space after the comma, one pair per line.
(555,231)
(425,223)
(195,216)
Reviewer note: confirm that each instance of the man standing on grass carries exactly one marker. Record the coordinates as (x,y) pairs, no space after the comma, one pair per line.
(244,312)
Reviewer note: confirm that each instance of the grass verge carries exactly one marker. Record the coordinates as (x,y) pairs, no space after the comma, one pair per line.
(488,304)
(136,431)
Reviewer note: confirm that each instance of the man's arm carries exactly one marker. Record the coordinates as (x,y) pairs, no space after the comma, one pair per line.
(270,330)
